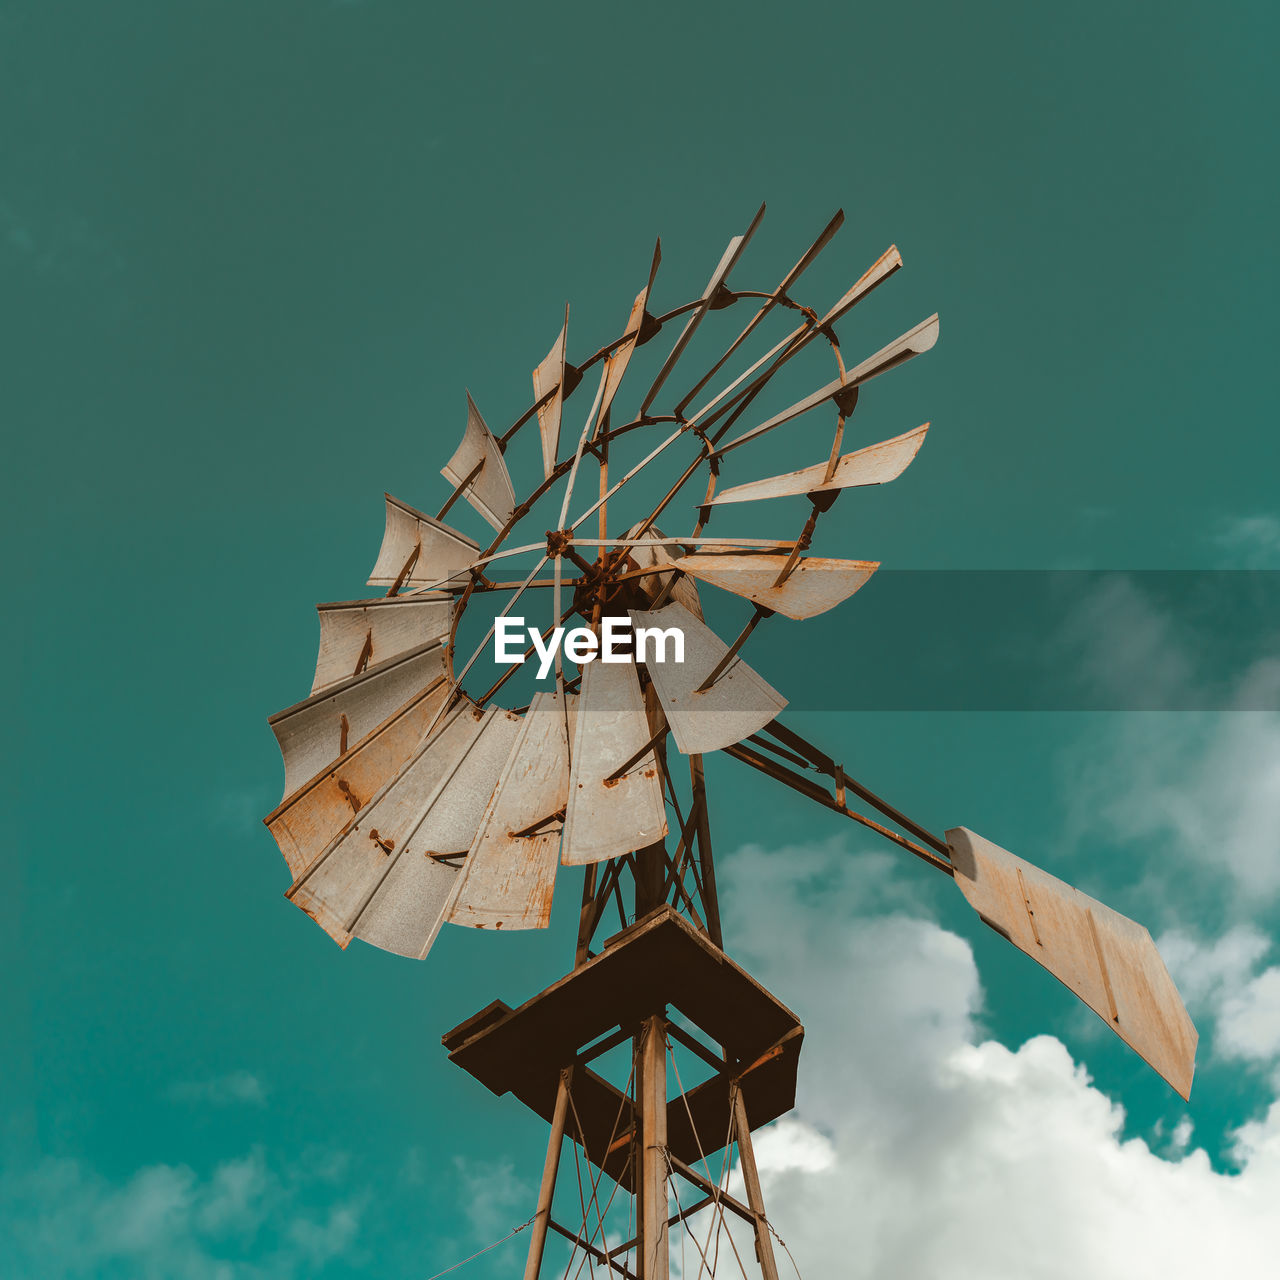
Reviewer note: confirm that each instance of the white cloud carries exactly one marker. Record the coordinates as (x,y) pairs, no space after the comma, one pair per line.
(919,1149)
(166,1222)
(235,1088)
(1249,1021)
(493,1196)
(1252,541)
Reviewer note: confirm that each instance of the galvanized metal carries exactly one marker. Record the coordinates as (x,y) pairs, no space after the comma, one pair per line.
(489,490)
(549,380)
(912,343)
(609,818)
(441,551)
(615,366)
(315,732)
(306,821)
(876,464)
(815,584)
(358,634)
(1108,960)
(739,704)
(511,867)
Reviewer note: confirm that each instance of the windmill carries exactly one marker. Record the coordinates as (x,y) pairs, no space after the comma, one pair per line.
(415,798)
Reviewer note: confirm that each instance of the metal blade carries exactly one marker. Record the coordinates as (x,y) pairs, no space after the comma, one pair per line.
(406,910)
(338,885)
(490,491)
(609,819)
(511,868)
(307,820)
(362,633)
(739,704)
(912,343)
(653,586)
(876,464)
(615,364)
(1107,959)
(550,374)
(719,276)
(813,586)
(444,551)
(315,732)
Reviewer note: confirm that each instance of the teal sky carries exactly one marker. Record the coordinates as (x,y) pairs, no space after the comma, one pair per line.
(251,254)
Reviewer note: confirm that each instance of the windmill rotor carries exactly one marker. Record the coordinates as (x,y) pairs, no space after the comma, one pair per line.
(414,797)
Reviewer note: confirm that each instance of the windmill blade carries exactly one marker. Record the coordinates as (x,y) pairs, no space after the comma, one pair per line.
(812,587)
(876,274)
(912,343)
(605,817)
(1108,960)
(339,884)
(489,489)
(511,868)
(358,634)
(655,586)
(305,822)
(616,362)
(806,261)
(739,704)
(315,732)
(441,551)
(549,375)
(719,276)
(406,909)
(876,464)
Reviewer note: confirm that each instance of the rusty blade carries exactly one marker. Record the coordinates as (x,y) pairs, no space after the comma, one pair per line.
(1108,960)
(718,280)
(443,551)
(337,885)
(876,464)
(739,704)
(655,586)
(361,633)
(616,362)
(877,273)
(315,732)
(912,343)
(307,820)
(814,585)
(489,491)
(548,376)
(610,819)
(405,911)
(806,261)
(511,868)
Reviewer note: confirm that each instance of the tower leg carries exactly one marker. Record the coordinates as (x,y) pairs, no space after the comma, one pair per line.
(755,1200)
(546,1192)
(651,1092)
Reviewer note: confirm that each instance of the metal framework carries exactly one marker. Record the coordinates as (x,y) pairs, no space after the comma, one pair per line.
(412,799)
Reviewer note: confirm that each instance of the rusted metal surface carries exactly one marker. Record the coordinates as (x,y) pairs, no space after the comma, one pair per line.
(912,343)
(1108,960)
(739,704)
(358,634)
(443,551)
(489,491)
(405,913)
(310,733)
(615,365)
(312,816)
(876,464)
(710,295)
(430,807)
(549,379)
(815,585)
(511,868)
(608,818)
(681,591)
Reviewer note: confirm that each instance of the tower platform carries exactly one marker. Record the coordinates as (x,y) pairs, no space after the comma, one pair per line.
(660,963)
